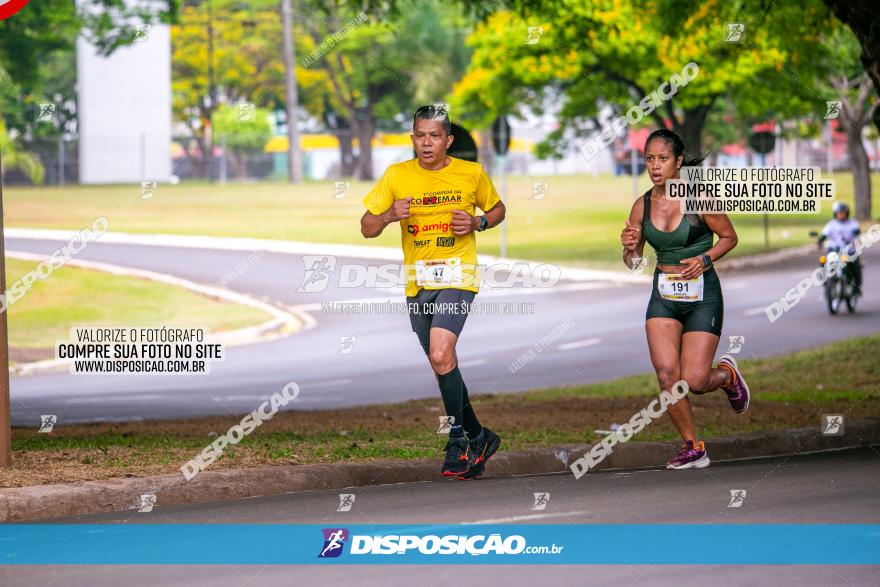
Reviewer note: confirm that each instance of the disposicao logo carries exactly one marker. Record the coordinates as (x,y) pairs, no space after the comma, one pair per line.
(334,540)
(10,7)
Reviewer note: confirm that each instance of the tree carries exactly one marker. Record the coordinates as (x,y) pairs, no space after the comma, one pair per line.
(227,52)
(852,86)
(377,71)
(857,14)
(617,52)
(242,132)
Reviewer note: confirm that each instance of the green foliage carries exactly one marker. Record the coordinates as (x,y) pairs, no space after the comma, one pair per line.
(14,158)
(241,129)
(615,52)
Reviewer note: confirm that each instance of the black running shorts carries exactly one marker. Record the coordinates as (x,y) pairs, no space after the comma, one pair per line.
(703,316)
(438,308)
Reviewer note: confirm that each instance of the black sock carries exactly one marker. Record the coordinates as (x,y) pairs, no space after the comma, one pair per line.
(456,431)
(469,419)
(452,391)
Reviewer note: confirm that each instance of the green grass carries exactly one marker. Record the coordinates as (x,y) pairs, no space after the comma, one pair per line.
(843,370)
(79,297)
(789,391)
(578,221)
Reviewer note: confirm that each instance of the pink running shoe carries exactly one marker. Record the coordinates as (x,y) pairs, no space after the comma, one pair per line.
(690,457)
(737,391)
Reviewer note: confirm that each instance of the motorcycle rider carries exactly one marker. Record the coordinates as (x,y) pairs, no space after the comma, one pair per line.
(841,232)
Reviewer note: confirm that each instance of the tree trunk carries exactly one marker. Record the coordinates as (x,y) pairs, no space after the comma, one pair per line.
(365,129)
(346,152)
(691,130)
(858,159)
(855,114)
(200,163)
(238,159)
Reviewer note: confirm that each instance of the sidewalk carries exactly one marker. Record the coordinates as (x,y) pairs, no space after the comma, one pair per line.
(113,495)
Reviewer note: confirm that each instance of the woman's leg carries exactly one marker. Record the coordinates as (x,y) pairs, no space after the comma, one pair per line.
(664,343)
(697,352)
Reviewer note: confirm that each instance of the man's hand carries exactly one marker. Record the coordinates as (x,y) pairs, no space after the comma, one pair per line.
(630,236)
(398,210)
(463,223)
(693,267)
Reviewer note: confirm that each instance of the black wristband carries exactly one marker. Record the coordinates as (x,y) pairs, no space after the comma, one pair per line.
(707,261)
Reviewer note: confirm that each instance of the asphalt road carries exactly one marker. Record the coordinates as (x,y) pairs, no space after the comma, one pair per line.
(603,337)
(833,488)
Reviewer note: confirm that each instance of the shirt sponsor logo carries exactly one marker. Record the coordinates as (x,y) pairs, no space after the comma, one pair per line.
(437,199)
(423,243)
(445,241)
(415,229)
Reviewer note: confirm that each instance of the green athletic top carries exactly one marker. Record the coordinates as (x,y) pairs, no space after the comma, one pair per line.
(691,238)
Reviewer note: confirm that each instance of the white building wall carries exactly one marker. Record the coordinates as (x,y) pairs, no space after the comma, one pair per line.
(124,110)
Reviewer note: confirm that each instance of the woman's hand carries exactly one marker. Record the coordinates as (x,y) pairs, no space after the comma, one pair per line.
(693,267)
(630,236)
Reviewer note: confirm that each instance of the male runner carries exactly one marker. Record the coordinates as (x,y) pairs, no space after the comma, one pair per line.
(434,198)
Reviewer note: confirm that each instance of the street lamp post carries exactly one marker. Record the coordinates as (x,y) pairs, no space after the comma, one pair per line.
(5,410)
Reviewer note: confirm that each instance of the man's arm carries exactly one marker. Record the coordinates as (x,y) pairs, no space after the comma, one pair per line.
(463,223)
(495,216)
(372,225)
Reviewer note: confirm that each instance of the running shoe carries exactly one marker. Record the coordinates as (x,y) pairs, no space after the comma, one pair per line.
(458,457)
(482,450)
(690,457)
(737,391)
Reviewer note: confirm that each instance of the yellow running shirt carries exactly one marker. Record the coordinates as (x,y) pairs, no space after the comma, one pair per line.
(435,258)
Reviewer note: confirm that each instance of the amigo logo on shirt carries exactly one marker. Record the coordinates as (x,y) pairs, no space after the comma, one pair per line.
(415,229)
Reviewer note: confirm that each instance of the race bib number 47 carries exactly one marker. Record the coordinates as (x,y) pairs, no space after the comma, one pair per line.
(438,273)
(680,289)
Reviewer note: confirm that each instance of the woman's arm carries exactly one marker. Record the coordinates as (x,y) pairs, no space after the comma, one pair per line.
(632,237)
(719,224)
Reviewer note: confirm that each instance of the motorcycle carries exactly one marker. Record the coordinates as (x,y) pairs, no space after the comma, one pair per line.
(840,284)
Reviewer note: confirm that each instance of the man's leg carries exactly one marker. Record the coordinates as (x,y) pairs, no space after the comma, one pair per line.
(421,323)
(443,361)
(452,307)
(472,426)
(422,310)
(857,274)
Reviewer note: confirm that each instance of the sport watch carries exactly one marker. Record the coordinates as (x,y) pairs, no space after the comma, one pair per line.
(483,224)
(707,261)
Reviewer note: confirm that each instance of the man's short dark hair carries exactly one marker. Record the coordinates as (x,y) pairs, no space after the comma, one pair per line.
(432,112)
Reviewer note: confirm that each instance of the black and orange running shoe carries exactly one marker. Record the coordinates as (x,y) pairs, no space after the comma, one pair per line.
(482,450)
(458,457)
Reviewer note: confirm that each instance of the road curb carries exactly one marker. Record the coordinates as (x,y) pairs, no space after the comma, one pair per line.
(114,495)
(763,259)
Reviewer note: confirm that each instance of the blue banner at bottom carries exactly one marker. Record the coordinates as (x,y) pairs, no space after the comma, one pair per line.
(281,544)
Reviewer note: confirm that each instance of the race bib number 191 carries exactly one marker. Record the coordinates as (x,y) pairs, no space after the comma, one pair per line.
(680,289)
(439,272)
